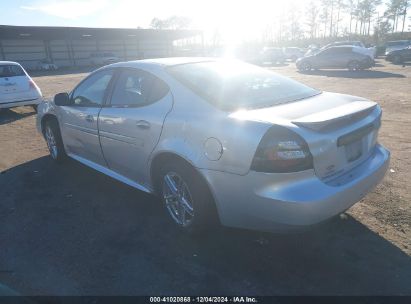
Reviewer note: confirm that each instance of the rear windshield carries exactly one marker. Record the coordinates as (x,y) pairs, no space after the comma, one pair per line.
(232,85)
(11,70)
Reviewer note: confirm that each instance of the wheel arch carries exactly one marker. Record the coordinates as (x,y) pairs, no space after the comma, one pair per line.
(163,157)
(167,156)
(47,117)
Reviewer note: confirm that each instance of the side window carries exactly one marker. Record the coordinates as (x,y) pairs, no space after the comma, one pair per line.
(136,88)
(91,92)
(326,52)
(342,50)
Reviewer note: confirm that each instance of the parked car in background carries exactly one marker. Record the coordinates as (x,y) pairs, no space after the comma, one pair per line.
(399,56)
(272,55)
(341,57)
(16,87)
(221,141)
(396,45)
(311,50)
(46,65)
(341,43)
(103,58)
(293,53)
(370,51)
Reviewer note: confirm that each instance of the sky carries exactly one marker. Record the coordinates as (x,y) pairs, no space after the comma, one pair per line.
(234,17)
(130,13)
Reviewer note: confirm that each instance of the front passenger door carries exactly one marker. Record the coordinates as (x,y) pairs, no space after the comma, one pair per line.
(131,124)
(324,59)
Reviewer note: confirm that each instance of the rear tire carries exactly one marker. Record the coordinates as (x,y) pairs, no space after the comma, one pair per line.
(397,59)
(354,66)
(186,198)
(54,141)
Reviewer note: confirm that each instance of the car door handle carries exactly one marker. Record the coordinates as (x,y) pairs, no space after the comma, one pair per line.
(142,124)
(89,118)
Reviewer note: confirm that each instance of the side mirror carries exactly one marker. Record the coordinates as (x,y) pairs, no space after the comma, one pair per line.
(62,99)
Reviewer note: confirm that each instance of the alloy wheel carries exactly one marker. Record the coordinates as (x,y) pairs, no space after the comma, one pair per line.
(354,66)
(178,199)
(51,142)
(306,66)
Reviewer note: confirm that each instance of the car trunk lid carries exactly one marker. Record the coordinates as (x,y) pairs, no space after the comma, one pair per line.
(340,130)
(13,85)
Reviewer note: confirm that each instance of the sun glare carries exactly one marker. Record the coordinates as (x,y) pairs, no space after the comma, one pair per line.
(231,22)
(237,21)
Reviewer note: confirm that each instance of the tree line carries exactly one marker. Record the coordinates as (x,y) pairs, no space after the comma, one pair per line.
(325,19)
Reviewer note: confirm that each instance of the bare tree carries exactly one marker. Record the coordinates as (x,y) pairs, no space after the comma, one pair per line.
(158,24)
(404,9)
(294,25)
(312,12)
(392,13)
(324,15)
(173,22)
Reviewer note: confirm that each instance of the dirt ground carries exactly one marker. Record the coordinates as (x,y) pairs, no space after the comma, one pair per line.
(67,230)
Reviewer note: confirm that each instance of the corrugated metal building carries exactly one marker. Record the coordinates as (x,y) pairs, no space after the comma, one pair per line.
(72,46)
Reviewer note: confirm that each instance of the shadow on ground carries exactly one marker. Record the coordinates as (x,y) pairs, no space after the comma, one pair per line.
(349,74)
(8,115)
(68,230)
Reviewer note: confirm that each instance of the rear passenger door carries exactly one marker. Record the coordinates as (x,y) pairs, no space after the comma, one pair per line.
(131,124)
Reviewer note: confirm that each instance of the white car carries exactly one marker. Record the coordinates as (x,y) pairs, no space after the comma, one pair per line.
(16,87)
(103,58)
(221,141)
(46,65)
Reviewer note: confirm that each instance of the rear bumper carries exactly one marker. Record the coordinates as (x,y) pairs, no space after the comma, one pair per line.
(290,201)
(18,103)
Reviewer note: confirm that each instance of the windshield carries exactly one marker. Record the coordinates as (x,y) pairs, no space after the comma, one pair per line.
(232,85)
(11,71)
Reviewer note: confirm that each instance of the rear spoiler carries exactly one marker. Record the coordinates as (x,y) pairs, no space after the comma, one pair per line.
(348,112)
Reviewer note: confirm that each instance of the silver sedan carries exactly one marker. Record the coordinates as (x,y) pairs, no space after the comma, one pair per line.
(221,141)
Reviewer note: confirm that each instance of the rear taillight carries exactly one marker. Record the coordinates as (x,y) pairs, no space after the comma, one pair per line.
(282,150)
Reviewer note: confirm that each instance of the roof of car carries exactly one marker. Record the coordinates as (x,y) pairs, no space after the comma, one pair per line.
(162,62)
(9,62)
(342,47)
(177,60)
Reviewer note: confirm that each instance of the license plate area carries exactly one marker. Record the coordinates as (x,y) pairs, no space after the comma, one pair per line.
(355,135)
(353,150)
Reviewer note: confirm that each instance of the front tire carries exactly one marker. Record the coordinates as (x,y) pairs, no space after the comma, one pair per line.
(305,67)
(54,141)
(186,198)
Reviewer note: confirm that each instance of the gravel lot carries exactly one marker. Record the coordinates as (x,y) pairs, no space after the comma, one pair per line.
(68,230)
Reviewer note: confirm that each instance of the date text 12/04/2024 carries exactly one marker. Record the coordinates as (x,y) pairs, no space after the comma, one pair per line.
(203,300)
